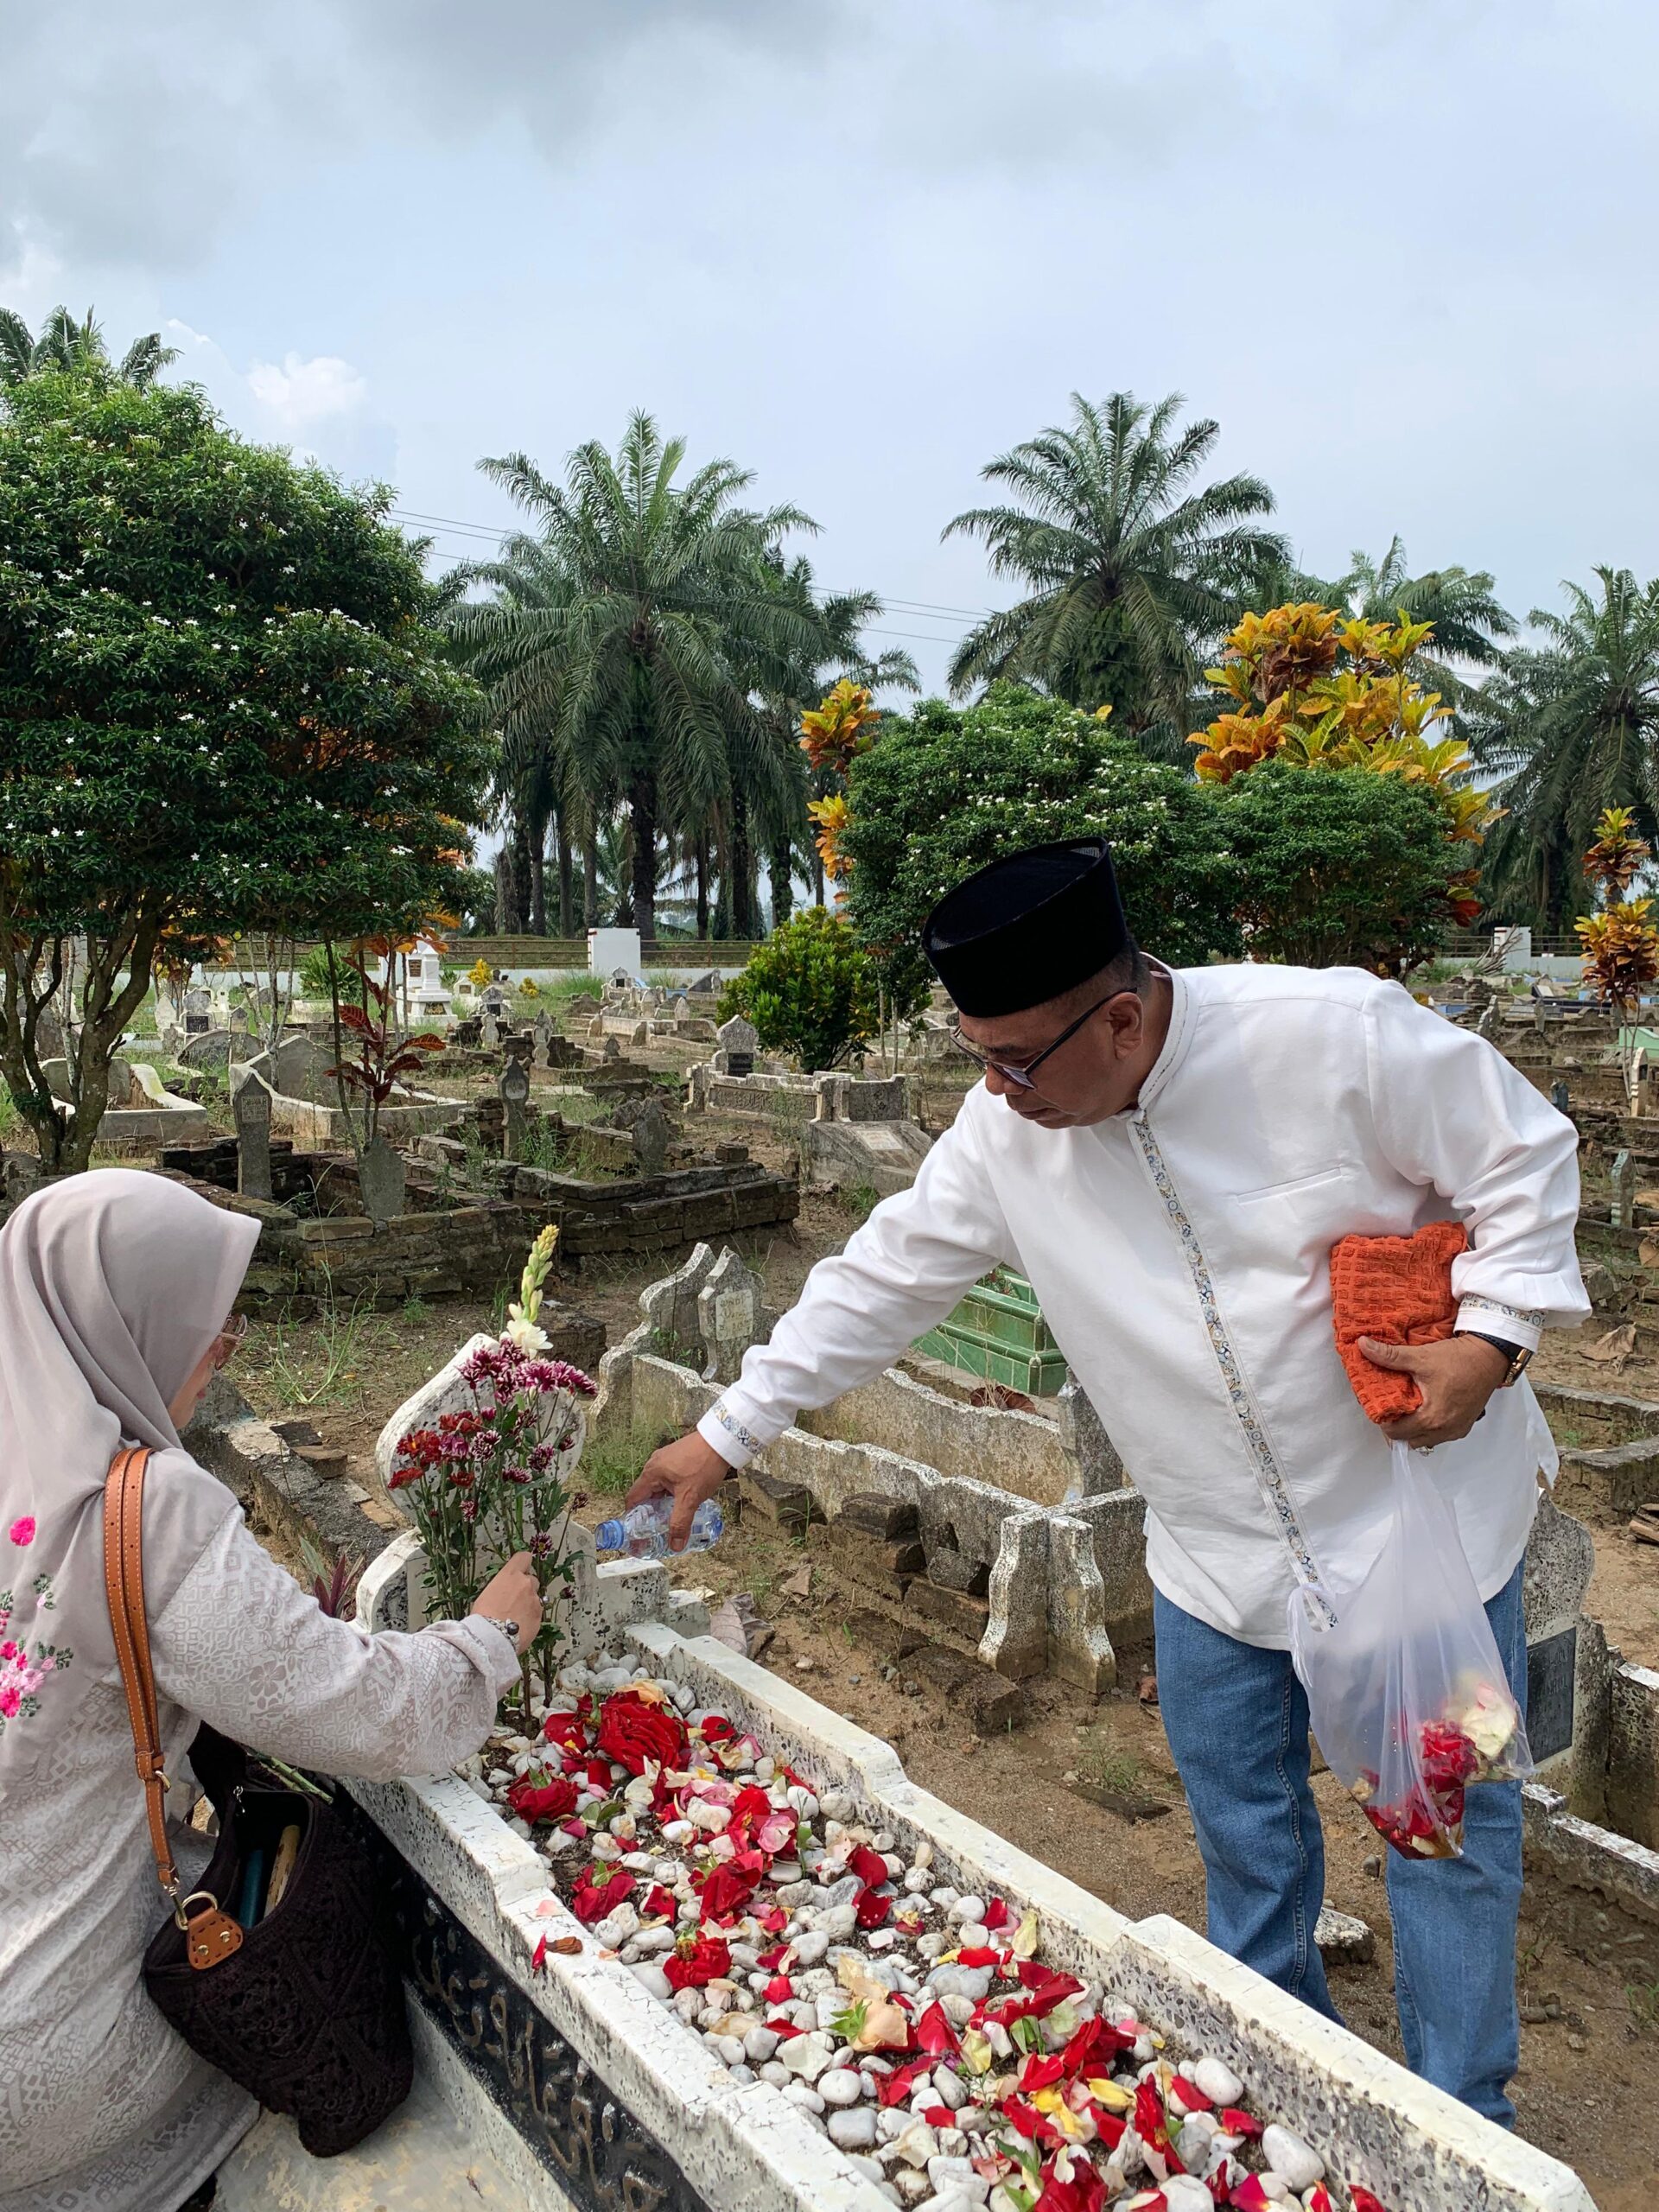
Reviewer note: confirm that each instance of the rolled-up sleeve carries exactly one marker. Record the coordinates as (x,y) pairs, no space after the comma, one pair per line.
(242,1646)
(1450,1111)
(901,1273)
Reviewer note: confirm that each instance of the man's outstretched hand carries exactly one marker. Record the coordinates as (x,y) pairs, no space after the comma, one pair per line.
(1456,1377)
(688,1471)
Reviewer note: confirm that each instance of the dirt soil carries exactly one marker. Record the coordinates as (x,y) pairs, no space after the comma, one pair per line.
(1624,1590)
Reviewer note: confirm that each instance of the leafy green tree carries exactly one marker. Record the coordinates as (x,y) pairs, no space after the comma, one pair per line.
(946,790)
(1339,867)
(223,710)
(642,665)
(64,344)
(1570,726)
(811,990)
(1131,573)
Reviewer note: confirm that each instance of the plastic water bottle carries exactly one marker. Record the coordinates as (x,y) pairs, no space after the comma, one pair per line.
(643,1534)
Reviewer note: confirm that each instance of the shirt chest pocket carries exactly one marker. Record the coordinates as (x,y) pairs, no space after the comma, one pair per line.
(1319,1205)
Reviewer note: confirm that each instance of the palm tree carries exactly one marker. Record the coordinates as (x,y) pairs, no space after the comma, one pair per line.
(665,603)
(66,344)
(788,686)
(1133,577)
(1571,727)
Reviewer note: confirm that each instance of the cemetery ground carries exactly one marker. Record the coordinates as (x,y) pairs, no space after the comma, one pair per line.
(1056,1783)
(1588,2087)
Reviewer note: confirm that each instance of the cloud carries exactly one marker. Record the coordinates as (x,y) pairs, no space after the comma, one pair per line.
(301,395)
(128,134)
(320,406)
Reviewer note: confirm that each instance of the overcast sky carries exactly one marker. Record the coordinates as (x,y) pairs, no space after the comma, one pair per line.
(862,245)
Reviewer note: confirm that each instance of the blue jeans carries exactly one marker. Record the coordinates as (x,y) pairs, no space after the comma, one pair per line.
(1237,1724)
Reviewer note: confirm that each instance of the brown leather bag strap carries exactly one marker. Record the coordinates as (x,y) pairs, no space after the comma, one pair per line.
(124,1581)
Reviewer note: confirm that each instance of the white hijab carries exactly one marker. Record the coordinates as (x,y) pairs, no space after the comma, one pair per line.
(113,1287)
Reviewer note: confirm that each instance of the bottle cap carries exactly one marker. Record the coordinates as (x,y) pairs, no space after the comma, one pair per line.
(608,1536)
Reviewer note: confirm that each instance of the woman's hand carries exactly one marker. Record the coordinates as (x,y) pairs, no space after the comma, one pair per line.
(511,1595)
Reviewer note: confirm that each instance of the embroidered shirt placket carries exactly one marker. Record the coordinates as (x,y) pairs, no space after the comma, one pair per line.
(1268,1474)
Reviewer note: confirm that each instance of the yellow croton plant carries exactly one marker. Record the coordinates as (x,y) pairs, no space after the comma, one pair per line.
(1317,689)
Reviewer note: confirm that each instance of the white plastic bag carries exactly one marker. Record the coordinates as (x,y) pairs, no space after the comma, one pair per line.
(1407,1692)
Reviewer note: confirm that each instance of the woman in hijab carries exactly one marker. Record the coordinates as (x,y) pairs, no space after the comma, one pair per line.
(116,1291)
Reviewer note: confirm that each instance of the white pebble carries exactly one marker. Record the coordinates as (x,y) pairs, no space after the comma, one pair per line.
(730,2049)
(1186,2193)
(841,2085)
(950,2089)
(1219,2082)
(810,1949)
(653,1979)
(760,2044)
(1301,2165)
(778,2076)
(809,2100)
(968,1909)
(853,2128)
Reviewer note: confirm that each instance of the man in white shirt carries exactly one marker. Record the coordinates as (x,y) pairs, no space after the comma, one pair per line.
(1168,1157)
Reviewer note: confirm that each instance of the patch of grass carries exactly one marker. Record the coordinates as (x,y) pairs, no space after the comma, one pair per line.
(1104,1768)
(11,1121)
(610,1467)
(500,1300)
(416,1308)
(322,1364)
(861,1201)
(1642,1998)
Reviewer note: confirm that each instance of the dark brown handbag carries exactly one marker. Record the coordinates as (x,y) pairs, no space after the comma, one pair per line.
(304,2008)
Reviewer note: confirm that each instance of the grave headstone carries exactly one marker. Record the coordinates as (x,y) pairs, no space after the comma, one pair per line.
(730,1316)
(380,1179)
(706,986)
(465,1033)
(681,1008)
(739,1043)
(519,1048)
(20,1174)
(205,1048)
(1624,1191)
(251,1109)
(489,1029)
(650,1138)
(542,1032)
(1085,1439)
(1558,1098)
(670,1308)
(513,1085)
(299,1069)
(613,1050)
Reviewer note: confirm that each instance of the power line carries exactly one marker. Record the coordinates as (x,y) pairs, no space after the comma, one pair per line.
(924,608)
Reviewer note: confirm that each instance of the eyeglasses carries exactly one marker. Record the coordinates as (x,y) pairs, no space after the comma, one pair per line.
(228,1341)
(1021,1077)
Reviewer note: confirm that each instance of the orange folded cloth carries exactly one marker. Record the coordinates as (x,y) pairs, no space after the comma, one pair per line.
(1399,1290)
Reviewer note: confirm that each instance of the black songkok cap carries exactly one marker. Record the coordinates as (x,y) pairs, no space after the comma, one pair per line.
(1027,927)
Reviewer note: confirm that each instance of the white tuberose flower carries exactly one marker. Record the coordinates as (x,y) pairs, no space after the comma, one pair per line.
(524,1333)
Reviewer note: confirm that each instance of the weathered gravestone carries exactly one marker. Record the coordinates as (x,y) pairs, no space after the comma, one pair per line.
(251,1109)
(20,1174)
(380,1179)
(301,1067)
(739,1043)
(650,1138)
(489,1030)
(206,1048)
(542,1033)
(731,1316)
(197,1011)
(1624,1191)
(513,1085)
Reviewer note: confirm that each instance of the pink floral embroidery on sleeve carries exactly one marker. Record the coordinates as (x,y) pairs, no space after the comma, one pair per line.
(23,1531)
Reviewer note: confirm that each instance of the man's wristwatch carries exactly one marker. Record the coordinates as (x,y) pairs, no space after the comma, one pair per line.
(1519,1356)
